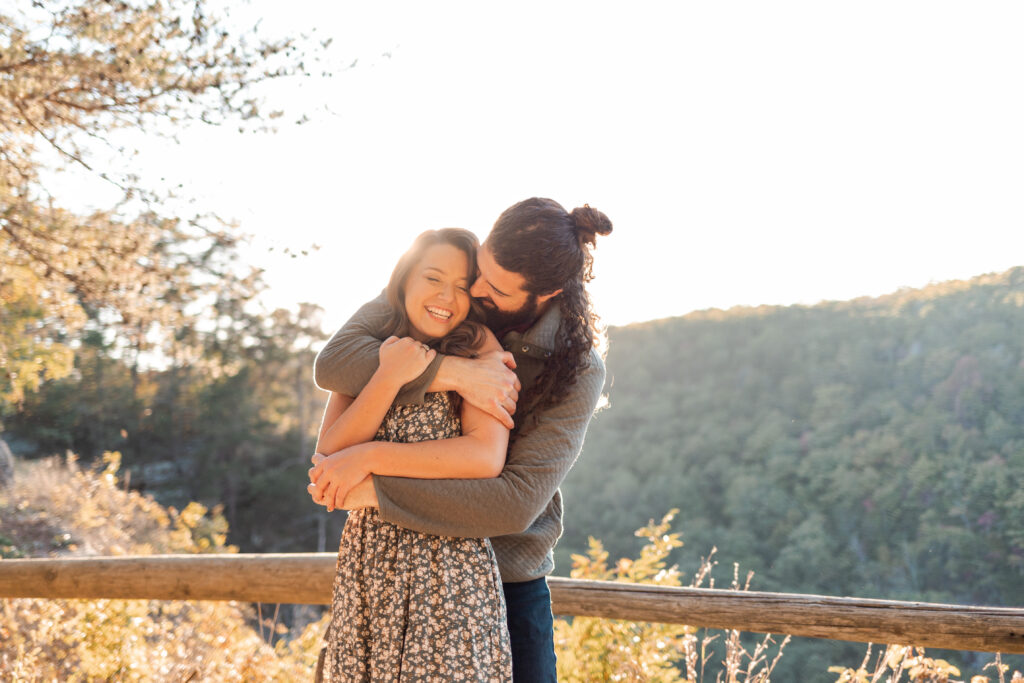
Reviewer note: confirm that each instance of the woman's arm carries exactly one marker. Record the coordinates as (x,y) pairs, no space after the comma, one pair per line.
(479,453)
(349,421)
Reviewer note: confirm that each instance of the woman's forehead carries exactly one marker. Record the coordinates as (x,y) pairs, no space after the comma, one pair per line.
(444,258)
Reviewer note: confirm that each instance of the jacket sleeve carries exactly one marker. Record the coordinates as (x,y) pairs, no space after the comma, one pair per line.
(350,358)
(536,465)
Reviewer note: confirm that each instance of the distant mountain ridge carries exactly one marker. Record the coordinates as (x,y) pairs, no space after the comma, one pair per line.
(872,446)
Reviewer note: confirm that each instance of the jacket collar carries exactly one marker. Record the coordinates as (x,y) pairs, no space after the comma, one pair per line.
(539,340)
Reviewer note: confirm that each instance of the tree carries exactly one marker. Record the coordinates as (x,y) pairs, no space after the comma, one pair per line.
(71,73)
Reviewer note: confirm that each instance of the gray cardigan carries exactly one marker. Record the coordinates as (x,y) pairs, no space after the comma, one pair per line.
(521,509)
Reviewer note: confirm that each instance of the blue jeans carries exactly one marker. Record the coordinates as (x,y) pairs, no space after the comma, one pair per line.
(531,631)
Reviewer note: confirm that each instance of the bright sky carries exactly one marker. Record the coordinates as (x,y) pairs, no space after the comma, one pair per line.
(746,152)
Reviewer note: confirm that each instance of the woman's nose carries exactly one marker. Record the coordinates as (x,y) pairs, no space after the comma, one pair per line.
(448,293)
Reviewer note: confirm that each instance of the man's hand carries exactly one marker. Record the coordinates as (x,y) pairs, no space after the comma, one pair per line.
(333,476)
(486,382)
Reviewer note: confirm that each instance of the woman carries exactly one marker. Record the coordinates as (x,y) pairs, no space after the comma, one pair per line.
(410,606)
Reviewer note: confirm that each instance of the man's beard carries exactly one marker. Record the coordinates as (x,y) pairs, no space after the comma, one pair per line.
(502,321)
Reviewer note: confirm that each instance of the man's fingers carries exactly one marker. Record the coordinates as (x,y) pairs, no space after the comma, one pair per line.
(339,499)
(508,359)
(502,415)
(329,497)
(322,485)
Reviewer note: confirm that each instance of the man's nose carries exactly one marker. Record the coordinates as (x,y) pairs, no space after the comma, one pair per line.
(478,291)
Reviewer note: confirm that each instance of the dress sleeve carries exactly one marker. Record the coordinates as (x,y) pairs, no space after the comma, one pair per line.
(536,465)
(350,358)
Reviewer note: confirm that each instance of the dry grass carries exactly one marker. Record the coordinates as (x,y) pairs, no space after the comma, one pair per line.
(592,650)
(55,508)
(896,661)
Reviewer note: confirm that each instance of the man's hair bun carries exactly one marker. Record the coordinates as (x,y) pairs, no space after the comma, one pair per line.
(589,223)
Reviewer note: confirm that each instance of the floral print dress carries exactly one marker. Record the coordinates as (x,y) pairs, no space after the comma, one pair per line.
(409,606)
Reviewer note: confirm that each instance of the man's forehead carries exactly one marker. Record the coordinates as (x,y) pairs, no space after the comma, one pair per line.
(506,280)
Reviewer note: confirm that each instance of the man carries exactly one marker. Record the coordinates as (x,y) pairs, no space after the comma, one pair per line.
(533,268)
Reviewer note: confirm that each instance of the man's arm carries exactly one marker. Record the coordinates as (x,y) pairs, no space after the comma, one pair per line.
(348,361)
(536,465)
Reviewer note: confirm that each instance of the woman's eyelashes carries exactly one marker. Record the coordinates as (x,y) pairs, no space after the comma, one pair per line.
(436,280)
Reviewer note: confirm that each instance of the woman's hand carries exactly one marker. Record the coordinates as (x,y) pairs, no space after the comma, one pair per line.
(333,476)
(403,360)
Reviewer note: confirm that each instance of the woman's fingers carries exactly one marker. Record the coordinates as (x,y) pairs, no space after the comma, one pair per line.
(311,489)
(315,473)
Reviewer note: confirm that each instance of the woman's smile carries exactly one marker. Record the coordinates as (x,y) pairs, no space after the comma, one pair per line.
(437,292)
(442,314)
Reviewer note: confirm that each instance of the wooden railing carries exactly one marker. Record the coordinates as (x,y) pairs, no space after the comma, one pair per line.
(307,579)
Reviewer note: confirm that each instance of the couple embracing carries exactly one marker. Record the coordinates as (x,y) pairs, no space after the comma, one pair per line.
(454,507)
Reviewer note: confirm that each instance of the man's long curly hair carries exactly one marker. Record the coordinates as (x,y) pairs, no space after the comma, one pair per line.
(551,249)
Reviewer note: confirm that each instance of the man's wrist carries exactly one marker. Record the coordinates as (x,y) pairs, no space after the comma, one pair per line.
(363,495)
(449,374)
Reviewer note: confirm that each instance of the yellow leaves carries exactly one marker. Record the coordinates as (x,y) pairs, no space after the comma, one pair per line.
(591,649)
(197,532)
(897,660)
(894,656)
(192,515)
(27,356)
(129,640)
(920,666)
(850,675)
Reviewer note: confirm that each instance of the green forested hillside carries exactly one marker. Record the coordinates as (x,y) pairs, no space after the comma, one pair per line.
(872,448)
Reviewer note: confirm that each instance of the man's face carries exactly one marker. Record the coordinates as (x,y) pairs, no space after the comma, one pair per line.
(502,293)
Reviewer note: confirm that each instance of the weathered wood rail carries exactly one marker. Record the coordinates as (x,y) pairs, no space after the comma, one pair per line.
(306,579)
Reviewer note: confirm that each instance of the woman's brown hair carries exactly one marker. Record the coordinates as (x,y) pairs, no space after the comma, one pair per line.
(466,338)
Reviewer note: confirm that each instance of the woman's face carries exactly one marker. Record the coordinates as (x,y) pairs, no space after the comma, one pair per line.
(437,292)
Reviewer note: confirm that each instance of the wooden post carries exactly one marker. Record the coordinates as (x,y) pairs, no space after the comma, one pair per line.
(307,578)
